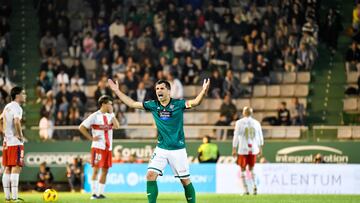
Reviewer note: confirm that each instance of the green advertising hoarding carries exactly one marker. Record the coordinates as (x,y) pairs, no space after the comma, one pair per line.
(58,154)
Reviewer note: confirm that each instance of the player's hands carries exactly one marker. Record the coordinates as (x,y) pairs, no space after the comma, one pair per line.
(20,138)
(206,84)
(234,153)
(96,138)
(111,109)
(114,86)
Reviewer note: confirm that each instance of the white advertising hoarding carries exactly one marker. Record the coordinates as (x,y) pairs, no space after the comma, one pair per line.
(293,178)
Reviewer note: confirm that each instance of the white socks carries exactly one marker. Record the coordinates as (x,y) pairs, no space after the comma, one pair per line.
(101,189)
(14,179)
(94,184)
(243,181)
(6,185)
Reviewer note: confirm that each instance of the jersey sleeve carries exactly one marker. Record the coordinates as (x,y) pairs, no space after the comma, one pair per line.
(18,113)
(88,121)
(149,105)
(185,104)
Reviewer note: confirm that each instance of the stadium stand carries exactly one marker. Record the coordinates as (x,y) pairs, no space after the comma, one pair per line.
(84,43)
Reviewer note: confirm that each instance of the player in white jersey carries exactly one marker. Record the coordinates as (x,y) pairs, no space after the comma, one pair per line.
(248,138)
(101,124)
(13,147)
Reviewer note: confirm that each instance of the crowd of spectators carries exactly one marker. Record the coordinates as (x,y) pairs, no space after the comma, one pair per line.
(352,55)
(5,84)
(139,43)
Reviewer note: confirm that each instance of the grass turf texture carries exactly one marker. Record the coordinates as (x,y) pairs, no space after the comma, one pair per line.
(201,198)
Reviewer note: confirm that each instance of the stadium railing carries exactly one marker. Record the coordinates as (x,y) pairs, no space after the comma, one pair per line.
(191,131)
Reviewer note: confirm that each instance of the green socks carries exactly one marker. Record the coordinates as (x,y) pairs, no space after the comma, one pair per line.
(190,193)
(152,191)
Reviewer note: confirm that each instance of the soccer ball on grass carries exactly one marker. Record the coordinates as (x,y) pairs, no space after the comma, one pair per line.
(50,195)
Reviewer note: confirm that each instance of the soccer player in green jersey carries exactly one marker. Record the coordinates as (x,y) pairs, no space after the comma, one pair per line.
(168,114)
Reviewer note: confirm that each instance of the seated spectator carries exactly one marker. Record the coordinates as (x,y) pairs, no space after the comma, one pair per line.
(208,152)
(131,83)
(177,89)
(43,85)
(48,45)
(142,94)
(77,73)
(75,174)
(46,127)
(304,58)
(104,68)
(297,112)
(198,43)
(283,114)
(44,178)
(102,89)
(75,46)
(231,85)
(182,45)
(117,29)
(228,108)
(352,58)
(216,85)
(191,72)
(89,46)
(261,71)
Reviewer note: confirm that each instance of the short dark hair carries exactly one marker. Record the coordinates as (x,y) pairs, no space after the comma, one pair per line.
(15,91)
(104,99)
(167,84)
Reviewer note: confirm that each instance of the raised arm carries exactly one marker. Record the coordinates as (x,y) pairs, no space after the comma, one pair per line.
(201,95)
(123,97)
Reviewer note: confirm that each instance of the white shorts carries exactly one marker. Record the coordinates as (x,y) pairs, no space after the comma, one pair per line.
(176,158)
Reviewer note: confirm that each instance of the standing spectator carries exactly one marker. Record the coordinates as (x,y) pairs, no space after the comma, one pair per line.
(227,108)
(208,152)
(332,29)
(297,112)
(283,114)
(44,178)
(46,127)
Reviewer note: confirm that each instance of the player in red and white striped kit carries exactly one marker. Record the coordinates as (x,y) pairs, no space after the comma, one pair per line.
(101,124)
(13,147)
(248,138)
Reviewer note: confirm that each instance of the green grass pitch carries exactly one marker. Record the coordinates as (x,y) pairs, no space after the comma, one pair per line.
(201,198)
